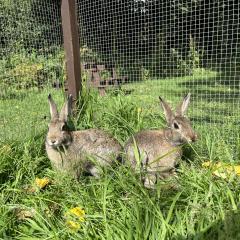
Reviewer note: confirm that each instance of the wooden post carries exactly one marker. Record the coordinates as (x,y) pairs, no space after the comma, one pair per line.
(71,46)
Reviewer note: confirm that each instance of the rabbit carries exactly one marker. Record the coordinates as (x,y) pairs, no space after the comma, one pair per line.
(74,151)
(160,150)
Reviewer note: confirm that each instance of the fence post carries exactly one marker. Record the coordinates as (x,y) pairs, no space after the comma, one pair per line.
(71,47)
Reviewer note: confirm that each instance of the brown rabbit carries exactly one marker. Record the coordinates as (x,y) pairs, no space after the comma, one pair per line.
(160,150)
(77,151)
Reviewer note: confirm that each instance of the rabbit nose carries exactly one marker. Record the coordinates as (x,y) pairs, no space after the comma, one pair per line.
(53,141)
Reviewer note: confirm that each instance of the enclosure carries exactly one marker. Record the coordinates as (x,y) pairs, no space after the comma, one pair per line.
(144,49)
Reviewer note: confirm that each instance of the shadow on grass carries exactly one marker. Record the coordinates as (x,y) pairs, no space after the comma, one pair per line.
(222,229)
(225,89)
(188,153)
(224,96)
(231,79)
(13,95)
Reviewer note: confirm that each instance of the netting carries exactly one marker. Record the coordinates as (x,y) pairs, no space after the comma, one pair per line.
(31,63)
(169,48)
(149,47)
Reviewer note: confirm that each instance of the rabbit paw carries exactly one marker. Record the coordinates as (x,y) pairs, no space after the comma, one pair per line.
(149,181)
(95,172)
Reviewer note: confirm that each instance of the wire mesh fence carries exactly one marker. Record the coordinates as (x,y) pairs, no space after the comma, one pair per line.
(31,62)
(170,48)
(149,47)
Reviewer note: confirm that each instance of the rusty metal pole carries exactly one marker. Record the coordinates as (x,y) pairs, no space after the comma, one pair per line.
(71,46)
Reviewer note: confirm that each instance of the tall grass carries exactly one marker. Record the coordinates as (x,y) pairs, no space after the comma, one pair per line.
(196,205)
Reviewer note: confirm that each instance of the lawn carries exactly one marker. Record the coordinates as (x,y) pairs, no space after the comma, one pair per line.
(117,206)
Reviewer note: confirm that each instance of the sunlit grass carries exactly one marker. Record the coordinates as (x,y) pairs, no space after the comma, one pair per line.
(117,206)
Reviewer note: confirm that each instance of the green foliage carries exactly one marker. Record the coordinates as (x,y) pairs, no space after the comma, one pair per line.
(24,70)
(165,37)
(171,62)
(22,25)
(88,55)
(117,206)
(198,206)
(133,37)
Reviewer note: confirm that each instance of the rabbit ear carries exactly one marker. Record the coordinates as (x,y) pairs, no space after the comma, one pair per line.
(66,109)
(182,108)
(167,110)
(53,108)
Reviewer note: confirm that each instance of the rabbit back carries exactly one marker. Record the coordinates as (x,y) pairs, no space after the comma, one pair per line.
(97,143)
(86,144)
(157,154)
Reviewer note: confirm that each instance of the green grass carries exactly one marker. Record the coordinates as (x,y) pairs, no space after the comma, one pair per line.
(118,206)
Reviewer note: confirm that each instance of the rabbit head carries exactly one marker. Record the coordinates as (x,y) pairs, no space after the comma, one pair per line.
(179,124)
(58,132)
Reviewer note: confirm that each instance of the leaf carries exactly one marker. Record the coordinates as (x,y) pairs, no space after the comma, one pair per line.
(222,170)
(5,149)
(23,214)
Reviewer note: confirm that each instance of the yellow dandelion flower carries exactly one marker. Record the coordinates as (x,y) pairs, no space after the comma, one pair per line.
(42,182)
(73,225)
(77,212)
(206,164)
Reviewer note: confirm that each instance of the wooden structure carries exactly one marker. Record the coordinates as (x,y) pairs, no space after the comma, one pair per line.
(72,54)
(71,46)
(97,81)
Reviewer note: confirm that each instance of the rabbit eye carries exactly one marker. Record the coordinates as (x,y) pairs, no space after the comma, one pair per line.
(175,125)
(64,127)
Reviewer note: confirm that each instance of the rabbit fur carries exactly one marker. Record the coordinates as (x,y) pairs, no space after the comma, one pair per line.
(76,152)
(160,150)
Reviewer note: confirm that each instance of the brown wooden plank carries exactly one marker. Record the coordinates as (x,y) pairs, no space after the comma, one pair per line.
(71,46)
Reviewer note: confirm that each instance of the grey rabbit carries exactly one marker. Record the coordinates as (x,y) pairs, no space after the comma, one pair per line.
(160,150)
(78,151)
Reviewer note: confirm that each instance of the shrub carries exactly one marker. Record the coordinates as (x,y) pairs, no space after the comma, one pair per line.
(23,70)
